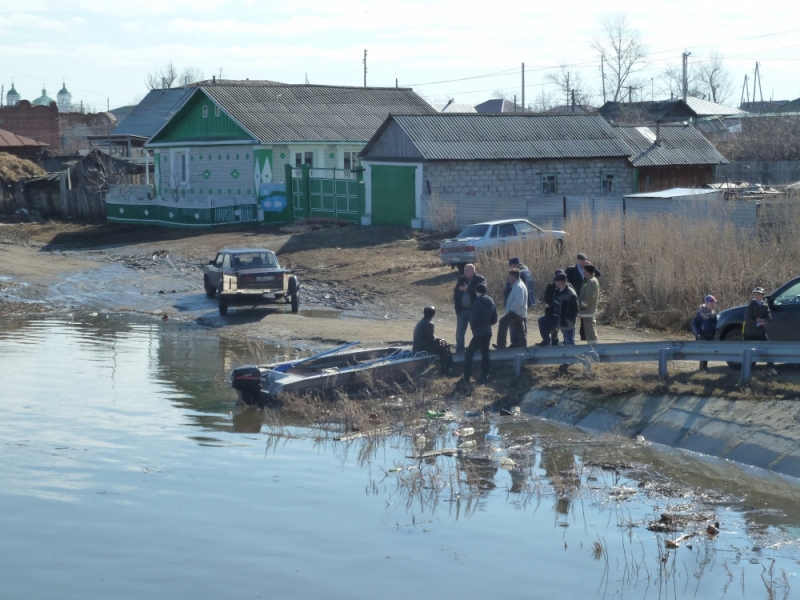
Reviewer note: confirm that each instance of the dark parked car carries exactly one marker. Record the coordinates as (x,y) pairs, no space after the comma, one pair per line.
(249,276)
(784,304)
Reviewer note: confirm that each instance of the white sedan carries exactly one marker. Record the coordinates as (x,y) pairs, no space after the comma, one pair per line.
(481,237)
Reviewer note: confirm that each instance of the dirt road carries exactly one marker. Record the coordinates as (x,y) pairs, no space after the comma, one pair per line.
(367,284)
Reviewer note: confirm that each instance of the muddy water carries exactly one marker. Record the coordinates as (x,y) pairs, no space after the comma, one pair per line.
(128,471)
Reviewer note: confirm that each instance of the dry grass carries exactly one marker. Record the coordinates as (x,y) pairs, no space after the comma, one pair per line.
(13,169)
(657,271)
(441,214)
(642,378)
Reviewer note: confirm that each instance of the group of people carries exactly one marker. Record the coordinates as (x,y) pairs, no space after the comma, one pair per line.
(573,294)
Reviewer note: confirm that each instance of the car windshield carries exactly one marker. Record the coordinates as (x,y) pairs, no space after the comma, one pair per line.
(474,231)
(248,260)
(789,296)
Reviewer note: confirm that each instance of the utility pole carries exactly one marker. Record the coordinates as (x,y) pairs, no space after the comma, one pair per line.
(396,82)
(573,100)
(685,79)
(523,87)
(365,67)
(603,75)
(652,92)
(757,79)
(745,92)
(630,93)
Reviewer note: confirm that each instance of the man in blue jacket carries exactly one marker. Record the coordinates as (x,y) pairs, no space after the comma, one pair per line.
(482,316)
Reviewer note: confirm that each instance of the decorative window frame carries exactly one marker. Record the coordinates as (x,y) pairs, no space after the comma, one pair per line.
(205,111)
(175,164)
(545,183)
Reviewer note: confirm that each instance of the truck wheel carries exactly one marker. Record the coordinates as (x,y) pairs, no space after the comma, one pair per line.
(295,303)
(210,289)
(223,305)
(734,335)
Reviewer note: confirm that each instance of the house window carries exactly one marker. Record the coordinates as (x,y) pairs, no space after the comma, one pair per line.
(205,111)
(607,183)
(179,165)
(648,182)
(350,160)
(216,111)
(303,158)
(549,185)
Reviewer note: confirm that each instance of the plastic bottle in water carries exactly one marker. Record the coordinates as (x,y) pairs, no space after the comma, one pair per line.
(465,431)
(493,437)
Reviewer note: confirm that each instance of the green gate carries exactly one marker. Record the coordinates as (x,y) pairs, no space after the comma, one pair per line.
(332,193)
(393,195)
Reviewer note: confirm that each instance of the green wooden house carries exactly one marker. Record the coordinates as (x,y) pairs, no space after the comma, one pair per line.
(238,152)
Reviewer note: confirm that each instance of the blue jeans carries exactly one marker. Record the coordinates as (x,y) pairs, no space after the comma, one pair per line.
(569,336)
(462,322)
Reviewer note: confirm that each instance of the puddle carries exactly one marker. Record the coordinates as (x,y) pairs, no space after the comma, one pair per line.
(122,428)
(320,313)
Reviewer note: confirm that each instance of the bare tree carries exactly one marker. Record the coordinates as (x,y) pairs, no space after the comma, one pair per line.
(168,75)
(623,54)
(670,81)
(544,101)
(568,82)
(499,94)
(715,79)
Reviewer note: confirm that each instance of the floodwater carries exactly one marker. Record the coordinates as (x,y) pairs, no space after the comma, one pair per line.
(128,471)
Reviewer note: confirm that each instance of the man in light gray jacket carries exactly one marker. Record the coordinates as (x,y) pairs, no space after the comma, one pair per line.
(516,313)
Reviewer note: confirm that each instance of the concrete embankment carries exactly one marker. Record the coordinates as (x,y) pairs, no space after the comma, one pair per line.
(760,433)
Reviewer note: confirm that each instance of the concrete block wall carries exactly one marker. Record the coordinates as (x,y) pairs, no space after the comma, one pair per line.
(508,179)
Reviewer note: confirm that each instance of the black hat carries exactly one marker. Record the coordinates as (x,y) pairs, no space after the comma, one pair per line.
(560,277)
(481,288)
(429,311)
(593,270)
(582,256)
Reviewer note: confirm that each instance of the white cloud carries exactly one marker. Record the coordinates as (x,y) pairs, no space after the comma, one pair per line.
(21,21)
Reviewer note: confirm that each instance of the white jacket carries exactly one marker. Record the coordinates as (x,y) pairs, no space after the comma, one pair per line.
(517,301)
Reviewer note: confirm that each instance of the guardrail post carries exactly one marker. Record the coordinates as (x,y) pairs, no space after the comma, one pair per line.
(663,354)
(747,365)
(518,363)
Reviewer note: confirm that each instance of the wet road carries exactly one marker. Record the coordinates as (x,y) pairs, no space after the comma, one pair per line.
(128,471)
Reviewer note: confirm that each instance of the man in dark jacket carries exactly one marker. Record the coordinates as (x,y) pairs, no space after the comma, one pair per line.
(481,319)
(567,301)
(575,277)
(704,324)
(426,341)
(548,323)
(756,317)
(463,298)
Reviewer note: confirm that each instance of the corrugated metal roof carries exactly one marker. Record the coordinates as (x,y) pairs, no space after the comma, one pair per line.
(499,105)
(152,112)
(680,145)
(674,193)
(705,108)
(314,113)
(510,136)
(12,140)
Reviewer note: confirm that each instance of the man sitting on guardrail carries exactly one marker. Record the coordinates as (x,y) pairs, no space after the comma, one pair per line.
(704,324)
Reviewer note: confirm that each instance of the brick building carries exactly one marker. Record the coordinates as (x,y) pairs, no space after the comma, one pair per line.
(494,166)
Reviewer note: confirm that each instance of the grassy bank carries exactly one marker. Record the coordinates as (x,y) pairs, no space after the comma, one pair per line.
(656,271)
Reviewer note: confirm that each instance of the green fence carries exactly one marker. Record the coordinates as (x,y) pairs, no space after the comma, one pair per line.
(333,193)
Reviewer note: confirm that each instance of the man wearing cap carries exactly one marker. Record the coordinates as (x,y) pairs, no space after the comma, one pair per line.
(548,323)
(576,276)
(516,313)
(756,317)
(704,324)
(567,301)
(463,297)
(426,341)
(482,316)
(587,302)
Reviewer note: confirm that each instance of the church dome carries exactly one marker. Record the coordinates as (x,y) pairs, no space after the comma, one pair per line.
(43,100)
(12,97)
(63,91)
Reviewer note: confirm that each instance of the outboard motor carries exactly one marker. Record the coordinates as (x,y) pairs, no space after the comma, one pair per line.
(247,381)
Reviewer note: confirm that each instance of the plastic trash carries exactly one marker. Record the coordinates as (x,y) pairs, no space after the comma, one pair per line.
(493,437)
(432,414)
(420,440)
(464,431)
(473,413)
(467,444)
(507,462)
(395,470)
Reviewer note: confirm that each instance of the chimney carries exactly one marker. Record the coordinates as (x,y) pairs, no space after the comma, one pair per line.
(213,80)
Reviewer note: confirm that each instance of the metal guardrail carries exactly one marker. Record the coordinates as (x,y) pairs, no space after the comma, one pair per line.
(746,353)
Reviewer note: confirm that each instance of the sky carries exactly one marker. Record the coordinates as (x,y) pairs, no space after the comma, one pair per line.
(467,51)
